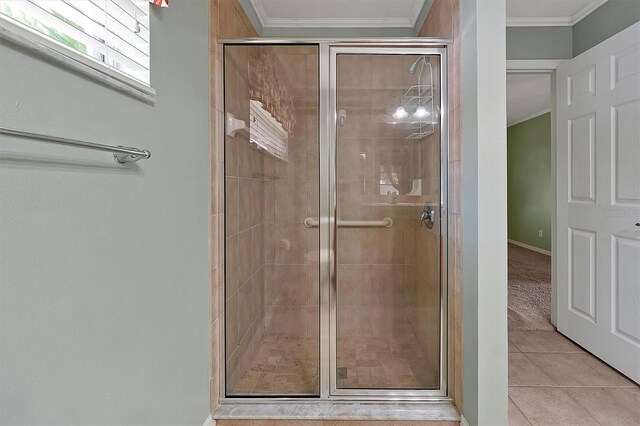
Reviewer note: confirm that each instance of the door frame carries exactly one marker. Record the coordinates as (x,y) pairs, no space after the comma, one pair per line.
(328,159)
(546,66)
(327,127)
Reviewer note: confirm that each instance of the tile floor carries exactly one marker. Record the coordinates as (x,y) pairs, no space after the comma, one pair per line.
(282,365)
(385,362)
(289,364)
(554,382)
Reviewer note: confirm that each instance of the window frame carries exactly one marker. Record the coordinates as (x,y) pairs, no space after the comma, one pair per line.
(57,52)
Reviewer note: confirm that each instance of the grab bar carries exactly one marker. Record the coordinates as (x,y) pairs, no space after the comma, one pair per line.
(387,222)
(120,153)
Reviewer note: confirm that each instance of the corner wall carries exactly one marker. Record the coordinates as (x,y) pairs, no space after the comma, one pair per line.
(484,204)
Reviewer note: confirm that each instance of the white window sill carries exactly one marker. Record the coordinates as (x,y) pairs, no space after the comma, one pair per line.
(56,52)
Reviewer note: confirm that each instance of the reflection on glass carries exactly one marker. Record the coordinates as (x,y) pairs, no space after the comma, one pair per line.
(388,166)
(271,185)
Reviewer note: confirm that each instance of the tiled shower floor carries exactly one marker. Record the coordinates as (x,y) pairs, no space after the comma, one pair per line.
(282,365)
(289,365)
(384,362)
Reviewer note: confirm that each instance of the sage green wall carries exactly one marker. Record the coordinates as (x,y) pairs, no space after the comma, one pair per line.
(529,181)
(539,43)
(604,22)
(104,268)
(568,42)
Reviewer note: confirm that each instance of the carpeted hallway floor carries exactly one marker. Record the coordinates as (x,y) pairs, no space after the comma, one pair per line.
(529,290)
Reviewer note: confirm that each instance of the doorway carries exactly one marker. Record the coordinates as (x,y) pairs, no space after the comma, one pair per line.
(552,365)
(335,230)
(529,206)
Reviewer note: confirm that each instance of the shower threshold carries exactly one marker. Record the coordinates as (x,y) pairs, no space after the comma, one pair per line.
(338,410)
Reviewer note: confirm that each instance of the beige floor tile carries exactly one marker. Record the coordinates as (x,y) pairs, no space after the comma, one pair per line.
(607,371)
(522,372)
(542,341)
(516,418)
(576,369)
(513,347)
(610,406)
(550,406)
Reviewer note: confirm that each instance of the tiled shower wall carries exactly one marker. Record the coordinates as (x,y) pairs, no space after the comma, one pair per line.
(228,20)
(271,257)
(371,261)
(424,245)
(291,195)
(245,225)
(382,271)
(443,21)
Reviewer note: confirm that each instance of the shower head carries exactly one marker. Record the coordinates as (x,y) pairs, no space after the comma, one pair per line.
(414,65)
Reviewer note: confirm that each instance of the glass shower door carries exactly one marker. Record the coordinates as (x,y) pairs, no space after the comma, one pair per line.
(271,179)
(388,239)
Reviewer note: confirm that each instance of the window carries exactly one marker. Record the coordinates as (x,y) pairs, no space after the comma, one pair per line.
(109,35)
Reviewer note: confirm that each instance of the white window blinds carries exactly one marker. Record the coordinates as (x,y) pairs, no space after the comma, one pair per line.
(114,33)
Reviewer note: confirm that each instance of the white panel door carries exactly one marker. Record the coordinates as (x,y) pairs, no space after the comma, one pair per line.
(598,200)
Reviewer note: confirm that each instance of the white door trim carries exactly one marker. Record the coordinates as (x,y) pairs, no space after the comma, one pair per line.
(533,65)
(546,66)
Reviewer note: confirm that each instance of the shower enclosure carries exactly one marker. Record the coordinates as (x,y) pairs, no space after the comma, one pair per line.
(335,252)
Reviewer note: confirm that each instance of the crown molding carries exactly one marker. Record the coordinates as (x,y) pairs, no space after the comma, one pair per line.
(556,21)
(391,22)
(515,66)
(582,13)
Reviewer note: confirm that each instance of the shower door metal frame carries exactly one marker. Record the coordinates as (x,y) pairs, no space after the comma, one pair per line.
(327,119)
(331,221)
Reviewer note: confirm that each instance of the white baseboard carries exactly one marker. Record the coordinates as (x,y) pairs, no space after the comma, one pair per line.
(528,247)
(209,421)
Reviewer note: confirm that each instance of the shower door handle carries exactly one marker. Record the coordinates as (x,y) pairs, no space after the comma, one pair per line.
(387,222)
(428,217)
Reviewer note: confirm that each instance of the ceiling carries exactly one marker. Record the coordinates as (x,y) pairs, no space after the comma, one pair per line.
(391,17)
(528,95)
(549,12)
(339,13)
